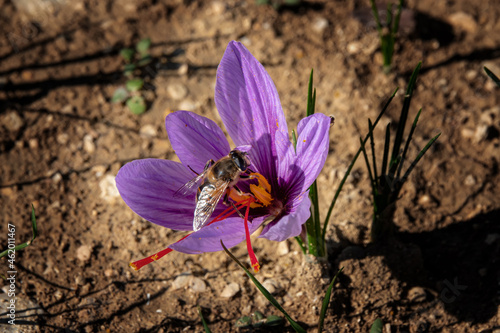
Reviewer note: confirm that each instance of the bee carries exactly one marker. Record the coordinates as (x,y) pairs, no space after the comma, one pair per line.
(217,179)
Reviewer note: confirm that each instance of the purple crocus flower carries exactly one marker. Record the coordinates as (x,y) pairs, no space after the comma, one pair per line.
(250,108)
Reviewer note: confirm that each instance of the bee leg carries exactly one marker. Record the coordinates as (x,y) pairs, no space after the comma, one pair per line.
(237,210)
(227,202)
(208,165)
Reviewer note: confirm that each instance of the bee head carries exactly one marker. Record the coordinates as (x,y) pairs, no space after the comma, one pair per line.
(239,159)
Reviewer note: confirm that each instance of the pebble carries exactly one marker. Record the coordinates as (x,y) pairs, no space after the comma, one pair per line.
(88,144)
(271,286)
(83,253)
(491,238)
(417,295)
(283,248)
(33,143)
(197,285)
(62,138)
(181,281)
(230,290)
(99,170)
(110,272)
(471,74)
(109,192)
(354,47)
(463,21)
(67,109)
(187,105)
(13,122)
(470,180)
(424,200)
(320,24)
(79,280)
(183,69)
(481,133)
(57,177)
(148,131)
(177,91)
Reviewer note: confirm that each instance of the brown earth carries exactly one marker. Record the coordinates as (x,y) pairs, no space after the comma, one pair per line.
(62,142)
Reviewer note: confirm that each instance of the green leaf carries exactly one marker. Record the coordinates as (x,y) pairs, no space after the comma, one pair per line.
(144,60)
(407,144)
(127,54)
(28,243)
(492,76)
(129,69)
(273,320)
(134,85)
(136,104)
(342,182)
(377,326)
(311,96)
(264,291)
(244,322)
(326,301)
(205,325)
(419,156)
(120,95)
(143,46)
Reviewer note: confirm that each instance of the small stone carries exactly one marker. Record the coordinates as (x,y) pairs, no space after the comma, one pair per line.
(283,248)
(58,294)
(57,177)
(109,192)
(417,295)
(7,191)
(110,272)
(99,170)
(79,280)
(230,290)
(354,47)
(33,143)
(467,133)
(88,144)
(183,69)
(471,75)
(67,109)
(463,21)
(470,180)
(481,133)
(83,253)
(177,91)
(424,200)
(62,138)
(271,286)
(187,105)
(181,281)
(197,285)
(218,7)
(491,238)
(148,131)
(320,24)
(13,122)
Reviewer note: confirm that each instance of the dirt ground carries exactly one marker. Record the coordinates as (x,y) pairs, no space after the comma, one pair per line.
(62,142)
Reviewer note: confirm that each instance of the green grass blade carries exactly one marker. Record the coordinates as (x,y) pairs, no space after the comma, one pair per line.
(372,143)
(492,76)
(28,243)
(205,325)
(387,145)
(326,301)
(294,139)
(310,95)
(407,144)
(377,326)
(301,244)
(419,156)
(404,114)
(264,292)
(370,174)
(377,18)
(342,182)
(395,27)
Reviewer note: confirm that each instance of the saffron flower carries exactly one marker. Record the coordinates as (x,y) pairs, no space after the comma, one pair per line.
(250,108)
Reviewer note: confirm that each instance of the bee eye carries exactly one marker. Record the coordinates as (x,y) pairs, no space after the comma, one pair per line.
(239,159)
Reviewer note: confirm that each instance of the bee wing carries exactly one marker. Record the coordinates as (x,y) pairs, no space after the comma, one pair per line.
(207,201)
(188,187)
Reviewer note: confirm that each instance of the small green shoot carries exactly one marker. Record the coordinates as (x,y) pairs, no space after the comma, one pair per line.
(205,325)
(28,243)
(386,186)
(258,320)
(135,60)
(326,301)
(264,291)
(377,326)
(387,32)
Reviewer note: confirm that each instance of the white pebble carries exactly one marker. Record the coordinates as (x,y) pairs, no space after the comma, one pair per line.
(109,192)
(88,144)
(230,290)
(83,253)
(148,131)
(177,91)
(198,285)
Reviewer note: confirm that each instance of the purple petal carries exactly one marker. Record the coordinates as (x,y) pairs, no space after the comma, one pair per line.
(148,186)
(207,239)
(195,139)
(290,225)
(312,149)
(249,106)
